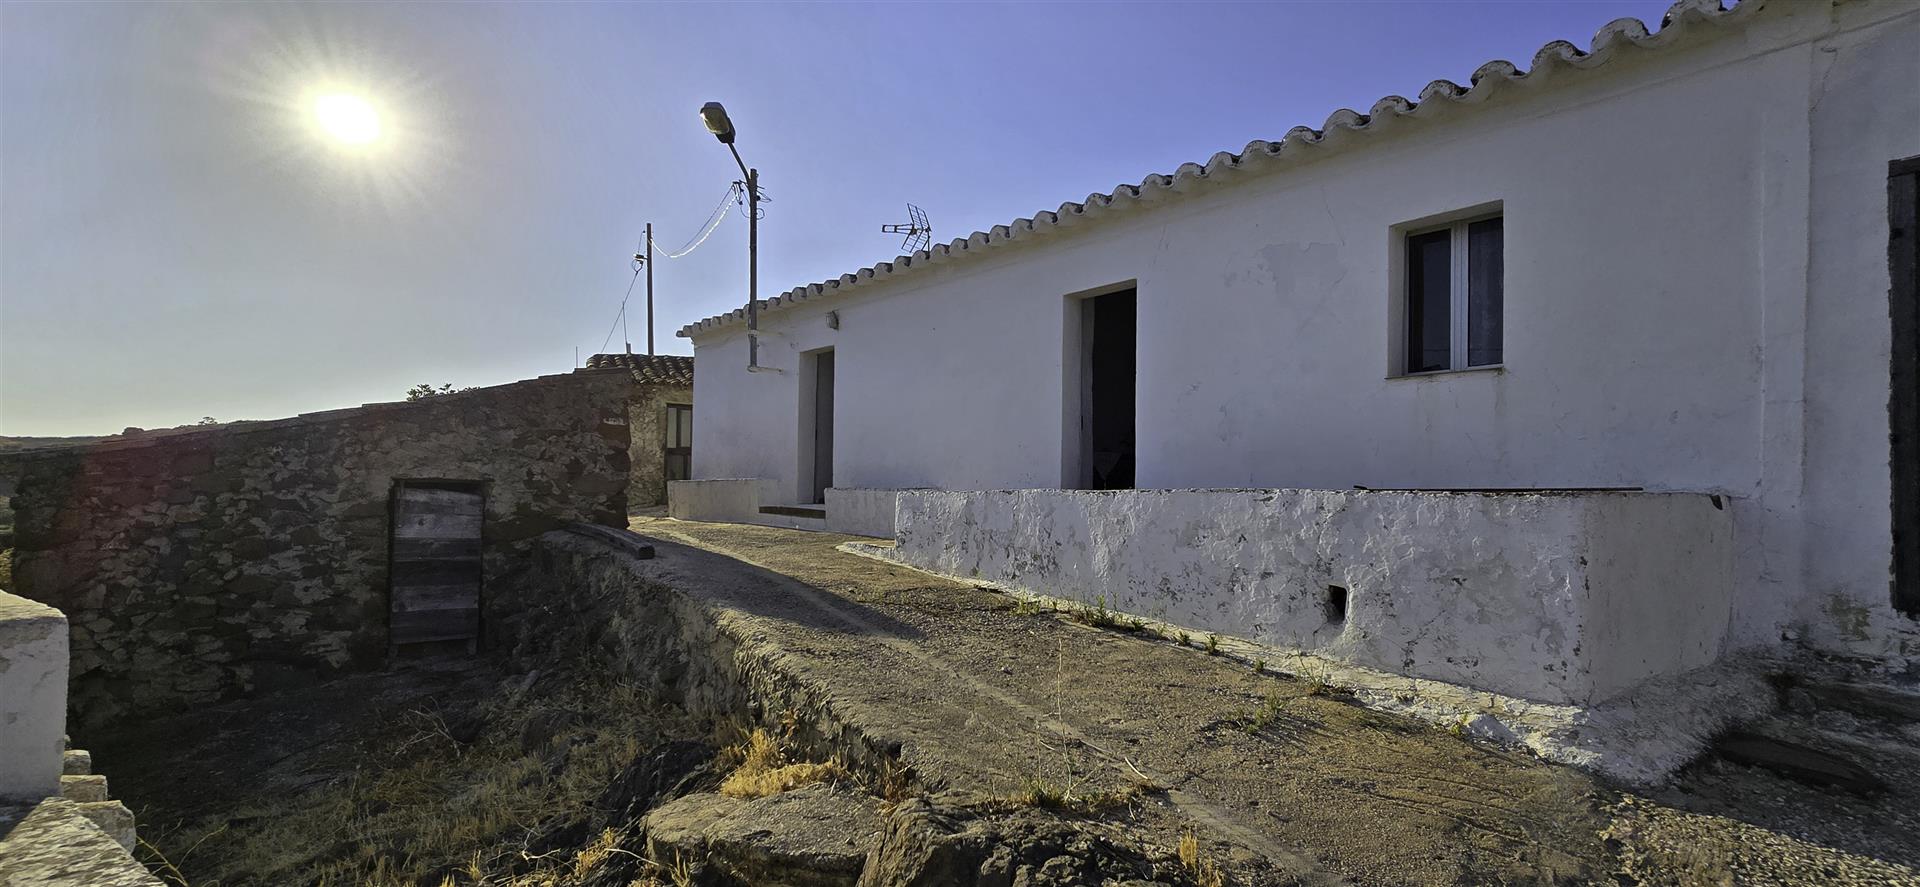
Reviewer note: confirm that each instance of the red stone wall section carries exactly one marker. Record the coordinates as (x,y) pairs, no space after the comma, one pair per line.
(198,564)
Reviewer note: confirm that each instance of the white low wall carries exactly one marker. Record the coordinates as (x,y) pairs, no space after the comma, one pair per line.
(33,698)
(862,512)
(1565,598)
(731,500)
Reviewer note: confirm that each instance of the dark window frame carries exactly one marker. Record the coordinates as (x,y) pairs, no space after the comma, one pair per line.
(1474,334)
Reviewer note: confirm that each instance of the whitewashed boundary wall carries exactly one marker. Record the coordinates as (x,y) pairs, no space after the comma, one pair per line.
(1564,598)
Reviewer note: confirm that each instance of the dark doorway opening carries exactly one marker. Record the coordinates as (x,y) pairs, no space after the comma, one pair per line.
(821,430)
(435,566)
(1903,406)
(679,444)
(1108,327)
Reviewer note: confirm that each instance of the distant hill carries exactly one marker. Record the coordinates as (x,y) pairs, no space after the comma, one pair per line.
(23,443)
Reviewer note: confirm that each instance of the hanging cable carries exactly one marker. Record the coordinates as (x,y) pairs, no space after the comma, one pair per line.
(713,224)
(620,318)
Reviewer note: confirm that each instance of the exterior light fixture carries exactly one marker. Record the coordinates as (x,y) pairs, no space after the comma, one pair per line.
(715,117)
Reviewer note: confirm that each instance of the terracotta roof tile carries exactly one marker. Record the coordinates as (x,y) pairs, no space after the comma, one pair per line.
(648,369)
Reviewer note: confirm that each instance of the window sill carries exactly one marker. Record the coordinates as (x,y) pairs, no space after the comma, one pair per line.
(1433,374)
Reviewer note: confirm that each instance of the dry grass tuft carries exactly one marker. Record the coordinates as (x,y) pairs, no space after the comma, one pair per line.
(764,769)
(418,804)
(1203,871)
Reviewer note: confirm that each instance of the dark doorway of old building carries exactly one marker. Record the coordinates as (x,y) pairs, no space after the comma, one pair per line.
(1108,326)
(818,428)
(679,446)
(435,587)
(1903,407)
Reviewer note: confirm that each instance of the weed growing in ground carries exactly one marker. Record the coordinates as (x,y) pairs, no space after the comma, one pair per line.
(764,769)
(1213,645)
(1259,666)
(1096,614)
(1268,712)
(1136,623)
(1180,637)
(1318,678)
(1027,606)
(1203,871)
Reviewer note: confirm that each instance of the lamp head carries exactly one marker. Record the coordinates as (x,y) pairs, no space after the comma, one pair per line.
(715,117)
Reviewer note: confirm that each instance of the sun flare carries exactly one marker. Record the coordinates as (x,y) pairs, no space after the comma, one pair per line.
(347,119)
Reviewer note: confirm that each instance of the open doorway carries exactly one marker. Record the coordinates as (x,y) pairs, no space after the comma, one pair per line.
(1107,338)
(816,426)
(1903,406)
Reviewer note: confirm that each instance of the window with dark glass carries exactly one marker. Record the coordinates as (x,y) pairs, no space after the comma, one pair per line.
(1454,296)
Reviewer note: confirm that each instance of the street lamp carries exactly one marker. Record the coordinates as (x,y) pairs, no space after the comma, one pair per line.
(715,117)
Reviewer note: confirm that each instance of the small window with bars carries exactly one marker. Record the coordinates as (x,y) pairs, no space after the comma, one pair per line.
(679,441)
(1454,292)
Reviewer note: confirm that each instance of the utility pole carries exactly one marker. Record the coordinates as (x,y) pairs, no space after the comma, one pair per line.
(715,117)
(753,265)
(649,264)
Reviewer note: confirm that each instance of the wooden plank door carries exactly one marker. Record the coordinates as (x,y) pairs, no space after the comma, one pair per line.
(436,562)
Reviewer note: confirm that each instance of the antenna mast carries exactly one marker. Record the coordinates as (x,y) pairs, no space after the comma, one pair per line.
(918,231)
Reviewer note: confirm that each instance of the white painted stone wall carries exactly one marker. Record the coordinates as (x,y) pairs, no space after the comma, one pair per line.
(33,698)
(861,512)
(1696,300)
(1556,598)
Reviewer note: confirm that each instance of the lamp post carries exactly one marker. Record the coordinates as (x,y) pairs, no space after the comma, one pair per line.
(715,117)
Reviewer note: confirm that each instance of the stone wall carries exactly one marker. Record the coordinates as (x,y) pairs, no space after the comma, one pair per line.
(647,416)
(203,563)
(1566,598)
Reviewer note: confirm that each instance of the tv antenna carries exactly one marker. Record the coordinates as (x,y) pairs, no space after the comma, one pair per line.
(919,232)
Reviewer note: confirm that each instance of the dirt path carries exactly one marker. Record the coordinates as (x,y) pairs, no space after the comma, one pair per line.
(987,699)
(1290,783)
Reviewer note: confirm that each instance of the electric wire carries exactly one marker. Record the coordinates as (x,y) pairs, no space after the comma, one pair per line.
(713,224)
(735,192)
(620,318)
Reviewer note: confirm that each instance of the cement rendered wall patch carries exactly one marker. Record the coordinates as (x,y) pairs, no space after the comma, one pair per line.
(1558,598)
(203,563)
(729,500)
(861,512)
(33,698)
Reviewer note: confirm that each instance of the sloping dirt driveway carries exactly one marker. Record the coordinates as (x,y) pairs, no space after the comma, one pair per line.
(1288,784)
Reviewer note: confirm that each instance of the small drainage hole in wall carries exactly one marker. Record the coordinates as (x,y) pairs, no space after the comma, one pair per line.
(1336,604)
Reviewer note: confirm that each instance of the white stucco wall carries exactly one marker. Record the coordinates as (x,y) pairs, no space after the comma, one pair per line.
(33,698)
(1695,300)
(1558,598)
(861,512)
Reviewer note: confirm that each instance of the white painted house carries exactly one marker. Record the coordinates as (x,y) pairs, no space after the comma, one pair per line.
(1651,279)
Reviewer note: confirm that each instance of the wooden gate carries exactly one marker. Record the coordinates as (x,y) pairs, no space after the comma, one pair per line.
(436,562)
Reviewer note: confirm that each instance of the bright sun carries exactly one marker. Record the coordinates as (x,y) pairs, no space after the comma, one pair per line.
(347,119)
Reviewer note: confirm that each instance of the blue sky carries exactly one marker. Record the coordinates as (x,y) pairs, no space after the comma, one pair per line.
(176,241)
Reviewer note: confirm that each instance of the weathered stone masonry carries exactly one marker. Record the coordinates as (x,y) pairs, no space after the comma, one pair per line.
(658,380)
(203,563)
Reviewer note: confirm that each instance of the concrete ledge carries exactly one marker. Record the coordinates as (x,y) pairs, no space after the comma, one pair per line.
(728,500)
(33,698)
(1568,599)
(862,512)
